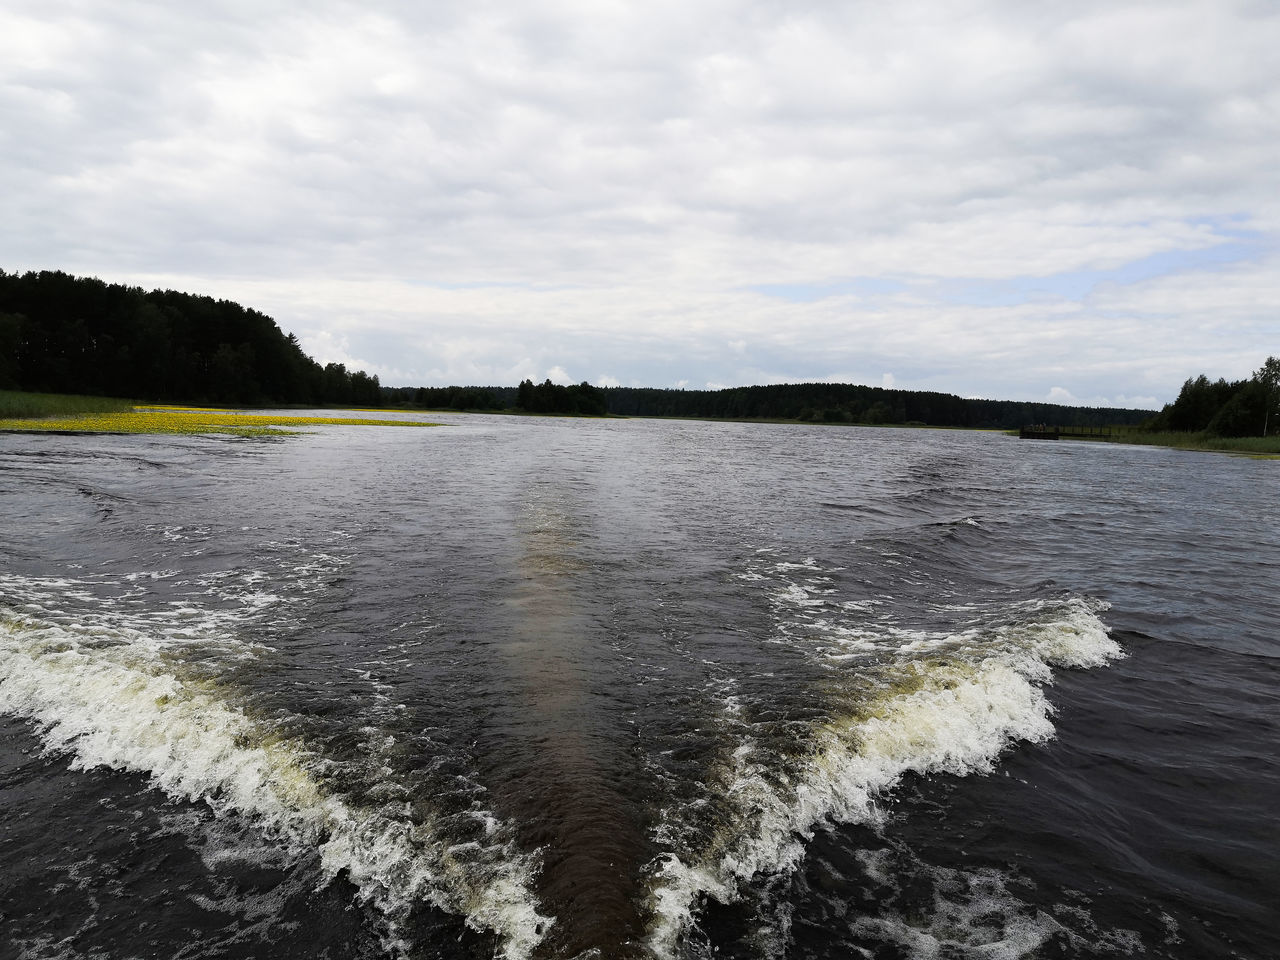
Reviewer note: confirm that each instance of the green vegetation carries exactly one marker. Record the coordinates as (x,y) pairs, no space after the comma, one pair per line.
(1245,408)
(830,403)
(580,399)
(548,397)
(61,334)
(18,405)
(854,403)
(444,398)
(1239,417)
(64,334)
(186,420)
(1268,446)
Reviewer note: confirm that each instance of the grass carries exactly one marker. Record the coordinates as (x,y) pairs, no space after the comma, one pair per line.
(1254,446)
(18,405)
(1265,447)
(99,415)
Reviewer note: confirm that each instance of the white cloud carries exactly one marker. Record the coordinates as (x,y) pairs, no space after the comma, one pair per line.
(558,375)
(1141,403)
(464,194)
(1060,395)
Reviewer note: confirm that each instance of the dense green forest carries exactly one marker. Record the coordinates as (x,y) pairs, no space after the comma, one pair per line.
(1244,408)
(65,334)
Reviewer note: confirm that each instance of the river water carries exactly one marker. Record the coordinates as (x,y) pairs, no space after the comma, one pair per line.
(563,688)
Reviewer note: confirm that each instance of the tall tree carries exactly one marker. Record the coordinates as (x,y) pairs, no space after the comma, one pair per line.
(1268,378)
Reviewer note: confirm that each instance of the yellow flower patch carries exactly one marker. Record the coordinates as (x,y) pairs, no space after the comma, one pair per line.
(193,420)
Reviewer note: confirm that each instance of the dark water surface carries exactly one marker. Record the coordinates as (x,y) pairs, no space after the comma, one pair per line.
(558,688)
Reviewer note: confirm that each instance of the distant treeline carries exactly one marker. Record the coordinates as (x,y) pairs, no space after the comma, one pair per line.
(853,403)
(65,334)
(812,402)
(546,397)
(1244,408)
(448,398)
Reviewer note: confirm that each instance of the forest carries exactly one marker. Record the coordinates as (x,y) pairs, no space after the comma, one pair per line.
(80,335)
(808,402)
(581,399)
(1243,408)
(854,403)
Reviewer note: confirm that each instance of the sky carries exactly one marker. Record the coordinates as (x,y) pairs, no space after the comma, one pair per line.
(1069,202)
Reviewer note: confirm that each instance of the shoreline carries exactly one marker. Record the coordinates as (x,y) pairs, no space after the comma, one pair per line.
(76,415)
(1256,448)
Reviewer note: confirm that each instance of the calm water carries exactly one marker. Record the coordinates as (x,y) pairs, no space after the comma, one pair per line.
(552,688)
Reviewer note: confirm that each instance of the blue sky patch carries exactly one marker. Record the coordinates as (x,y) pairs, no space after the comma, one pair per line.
(1079,284)
(1014,291)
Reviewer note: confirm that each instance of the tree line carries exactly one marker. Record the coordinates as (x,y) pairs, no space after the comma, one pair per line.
(854,403)
(66,334)
(809,402)
(581,399)
(446,398)
(1243,408)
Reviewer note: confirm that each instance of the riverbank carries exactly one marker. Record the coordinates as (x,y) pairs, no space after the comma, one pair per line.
(1264,447)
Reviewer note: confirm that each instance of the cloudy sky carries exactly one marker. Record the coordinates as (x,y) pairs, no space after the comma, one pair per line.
(1075,202)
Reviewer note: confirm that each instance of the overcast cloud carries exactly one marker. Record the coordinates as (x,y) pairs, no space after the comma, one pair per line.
(1077,202)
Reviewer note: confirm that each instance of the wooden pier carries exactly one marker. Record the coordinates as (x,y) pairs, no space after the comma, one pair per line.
(1040,431)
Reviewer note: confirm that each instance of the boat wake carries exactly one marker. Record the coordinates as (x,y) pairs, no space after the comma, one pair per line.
(900,701)
(107,694)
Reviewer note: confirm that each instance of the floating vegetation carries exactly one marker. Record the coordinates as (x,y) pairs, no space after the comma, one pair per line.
(169,419)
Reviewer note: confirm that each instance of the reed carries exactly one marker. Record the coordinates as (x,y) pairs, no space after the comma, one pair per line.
(1254,446)
(15,404)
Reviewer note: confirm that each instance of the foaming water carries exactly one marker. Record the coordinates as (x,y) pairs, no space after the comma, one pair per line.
(113,696)
(923,704)
(968,914)
(567,689)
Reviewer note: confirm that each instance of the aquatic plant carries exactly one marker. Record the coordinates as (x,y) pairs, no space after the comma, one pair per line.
(21,404)
(189,420)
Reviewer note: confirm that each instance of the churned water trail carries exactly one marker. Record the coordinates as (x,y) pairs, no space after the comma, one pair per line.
(894,701)
(107,694)
(568,689)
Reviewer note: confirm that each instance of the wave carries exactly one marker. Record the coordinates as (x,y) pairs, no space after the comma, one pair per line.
(107,696)
(917,702)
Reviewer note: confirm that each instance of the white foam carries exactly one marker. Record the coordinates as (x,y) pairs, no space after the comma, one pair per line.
(941,714)
(109,702)
(973,916)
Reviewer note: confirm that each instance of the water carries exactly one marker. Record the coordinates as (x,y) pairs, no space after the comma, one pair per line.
(554,688)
